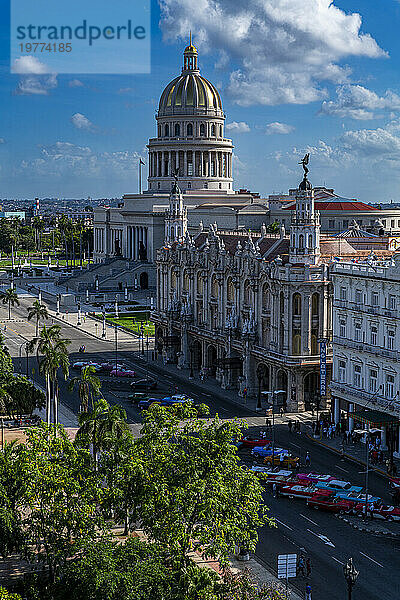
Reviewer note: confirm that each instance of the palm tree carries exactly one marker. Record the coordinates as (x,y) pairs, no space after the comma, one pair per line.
(55,357)
(37,311)
(88,385)
(102,426)
(9,297)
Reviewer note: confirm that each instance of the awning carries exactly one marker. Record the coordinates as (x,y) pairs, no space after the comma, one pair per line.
(373,417)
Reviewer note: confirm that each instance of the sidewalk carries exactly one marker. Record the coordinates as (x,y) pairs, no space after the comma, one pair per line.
(352,451)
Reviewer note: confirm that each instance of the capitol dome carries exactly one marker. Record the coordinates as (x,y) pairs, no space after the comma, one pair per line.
(190,134)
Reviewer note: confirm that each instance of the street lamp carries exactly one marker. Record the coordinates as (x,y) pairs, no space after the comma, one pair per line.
(350,574)
(116,349)
(191,373)
(103,335)
(79,322)
(273,394)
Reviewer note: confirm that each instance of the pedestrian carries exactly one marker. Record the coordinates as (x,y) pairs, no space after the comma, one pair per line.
(330,432)
(308,592)
(313,426)
(290,425)
(281,411)
(274,490)
(281,459)
(301,565)
(308,566)
(308,460)
(333,430)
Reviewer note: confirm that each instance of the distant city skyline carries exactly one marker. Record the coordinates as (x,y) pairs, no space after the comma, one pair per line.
(306,76)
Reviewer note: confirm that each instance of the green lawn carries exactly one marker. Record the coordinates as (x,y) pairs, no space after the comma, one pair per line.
(134,324)
(39,262)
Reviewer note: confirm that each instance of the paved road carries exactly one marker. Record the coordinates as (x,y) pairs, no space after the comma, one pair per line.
(377,559)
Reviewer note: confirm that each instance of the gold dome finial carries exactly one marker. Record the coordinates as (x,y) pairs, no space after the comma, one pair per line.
(190,56)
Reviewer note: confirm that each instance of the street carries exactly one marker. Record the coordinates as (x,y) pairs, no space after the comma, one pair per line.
(327,540)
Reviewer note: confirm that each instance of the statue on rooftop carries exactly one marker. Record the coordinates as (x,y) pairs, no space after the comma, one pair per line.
(305,162)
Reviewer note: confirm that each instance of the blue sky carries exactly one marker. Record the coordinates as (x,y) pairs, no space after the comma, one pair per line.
(294,75)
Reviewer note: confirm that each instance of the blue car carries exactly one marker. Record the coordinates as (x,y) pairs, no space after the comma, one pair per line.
(336,485)
(263,451)
(167,401)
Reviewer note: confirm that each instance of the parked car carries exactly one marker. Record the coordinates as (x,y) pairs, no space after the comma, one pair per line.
(250,442)
(145,383)
(86,363)
(293,490)
(137,397)
(288,461)
(336,485)
(271,476)
(122,373)
(389,513)
(110,366)
(167,401)
(314,477)
(358,497)
(329,502)
(262,451)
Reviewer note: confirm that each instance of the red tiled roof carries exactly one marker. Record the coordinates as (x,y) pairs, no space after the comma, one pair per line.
(337,205)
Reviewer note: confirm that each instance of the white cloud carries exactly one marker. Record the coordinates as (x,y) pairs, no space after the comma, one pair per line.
(36,85)
(2,141)
(75,83)
(357,102)
(375,144)
(81,122)
(276,127)
(29,65)
(237,127)
(280,51)
(66,160)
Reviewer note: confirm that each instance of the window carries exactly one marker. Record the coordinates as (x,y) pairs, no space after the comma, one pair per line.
(384,222)
(398,223)
(357,332)
(373,380)
(358,297)
(296,305)
(331,224)
(392,225)
(189,185)
(392,302)
(202,130)
(342,371)
(310,241)
(213,130)
(343,293)
(301,241)
(389,386)
(374,335)
(177,130)
(357,376)
(190,129)
(190,169)
(206,185)
(390,339)
(342,328)
(375,299)
(166,131)
(345,223)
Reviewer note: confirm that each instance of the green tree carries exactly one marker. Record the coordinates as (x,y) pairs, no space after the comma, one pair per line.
(24,397)
(12,486)
(37,311)
(6,595)
(9,297)
(101,427)
(195,494)
(6,365)
(61,499)
(55,358)
(89,387)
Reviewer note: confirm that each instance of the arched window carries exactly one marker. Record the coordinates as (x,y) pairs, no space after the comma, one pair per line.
(296,344)
(186,282)
(230,290)
(166,130)
(220,131)
(173,280)
(310,241)
(213,130)
(314,345)
(301,241)
(266,297)
(247,293)
(202,130)
(177,130)
(190,129)
(296,305)
(214,287)
(199,284)
(315,305)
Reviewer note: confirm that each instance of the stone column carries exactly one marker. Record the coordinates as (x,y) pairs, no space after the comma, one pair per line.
(351,421)
(306,323)
(383,438)
(185,169)
(183,362)
(209,164)
(169,163)
(336,410)
(287,323)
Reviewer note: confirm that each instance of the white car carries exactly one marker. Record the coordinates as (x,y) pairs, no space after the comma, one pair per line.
(86,363)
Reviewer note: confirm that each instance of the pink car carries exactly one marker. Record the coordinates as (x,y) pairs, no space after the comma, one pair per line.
(307,478)
(122,373)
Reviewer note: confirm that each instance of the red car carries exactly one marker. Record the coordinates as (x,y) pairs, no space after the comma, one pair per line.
(296,490)
(330,502)
(389,513)
(122,373)
(250,442)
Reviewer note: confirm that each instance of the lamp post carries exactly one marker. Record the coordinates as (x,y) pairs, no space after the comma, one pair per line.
(79,322)
(191,373)
(103,335)
(273,394)
(142,336)
(58,304)
(350,574)
(116,348)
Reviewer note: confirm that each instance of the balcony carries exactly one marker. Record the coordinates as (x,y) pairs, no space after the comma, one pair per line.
(365,347)
(367,399)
